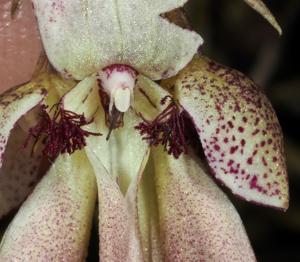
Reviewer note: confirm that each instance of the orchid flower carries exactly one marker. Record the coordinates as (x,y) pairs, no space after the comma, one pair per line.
(113,121)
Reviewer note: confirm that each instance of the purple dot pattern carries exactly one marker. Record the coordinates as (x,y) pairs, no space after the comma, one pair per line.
(54,222)
(13,105)
(238,128)
(197,220)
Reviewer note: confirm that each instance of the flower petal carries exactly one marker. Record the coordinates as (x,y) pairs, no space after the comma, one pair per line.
(147,216)
(238,128)
(119,159)
(118,237)
(20,172)
(54,223)
(261,8)
(135,35)
(83,98)
(15,103)
(147,98)
(197,221)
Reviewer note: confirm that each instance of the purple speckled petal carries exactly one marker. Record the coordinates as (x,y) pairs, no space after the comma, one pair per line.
(54,222)
(117,226)
(20,171)
(147,210)
(238,128)
(262,9)
(13,105)
(197,221)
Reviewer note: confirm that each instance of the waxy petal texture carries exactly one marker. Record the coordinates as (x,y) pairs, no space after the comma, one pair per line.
(261,8)
(118,164)
(197,221)
(123,153)
(107,32)
(238,128)
(13,105)
(147,208)
(20,172)
(54,223)
(147,98)
(119,240)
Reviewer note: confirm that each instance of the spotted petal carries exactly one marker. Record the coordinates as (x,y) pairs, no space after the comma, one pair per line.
(117,226)
(238,128)
(109,32)
(15,103)
(197,221)
(261,8)
(54,223)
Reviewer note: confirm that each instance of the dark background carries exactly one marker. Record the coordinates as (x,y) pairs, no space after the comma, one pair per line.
(237,36)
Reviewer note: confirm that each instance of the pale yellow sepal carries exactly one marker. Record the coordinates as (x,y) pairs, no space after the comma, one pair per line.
(55,221)
(197,220)
(262,9)
(107,32)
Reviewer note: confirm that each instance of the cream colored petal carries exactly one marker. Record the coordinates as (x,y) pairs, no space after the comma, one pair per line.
(13,105)
(83,98)
(197,221)
(152,45)
(122,155)
(147,212)
(147,98)
(114,32)
(54,223)
(119,159)
(117,232)
(20,171)
(45,88)
(261,8)
(238,128)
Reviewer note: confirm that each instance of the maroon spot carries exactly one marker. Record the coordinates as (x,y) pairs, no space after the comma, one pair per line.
(250,160)
(264,161)
(241,129)
(233,149)
(243,142)
(230,162)
(255,132)
(253,184)
(217,147)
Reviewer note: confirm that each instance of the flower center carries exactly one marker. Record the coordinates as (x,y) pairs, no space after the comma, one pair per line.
(61,133)
(167,129)
(118,82)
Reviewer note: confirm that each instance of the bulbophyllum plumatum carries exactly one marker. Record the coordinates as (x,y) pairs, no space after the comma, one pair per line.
(114,114)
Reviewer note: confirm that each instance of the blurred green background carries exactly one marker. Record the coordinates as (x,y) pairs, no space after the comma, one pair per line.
(237,36)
